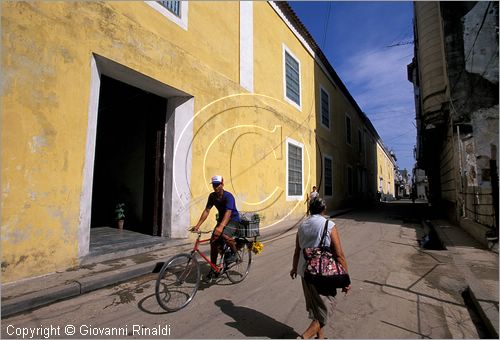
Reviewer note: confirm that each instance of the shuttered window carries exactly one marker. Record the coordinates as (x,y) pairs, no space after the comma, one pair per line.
(350,181)
(292,75)
(360,141)
(294,177)
(325,109)
(172,6)
(348,132)
(328,176)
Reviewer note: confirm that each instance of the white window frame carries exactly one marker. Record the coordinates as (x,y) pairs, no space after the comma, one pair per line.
(182,21)
(301,146)
(288,100)
(324,174)
(350,128)
(321,88)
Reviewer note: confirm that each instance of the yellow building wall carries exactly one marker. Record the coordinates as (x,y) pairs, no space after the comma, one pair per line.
(346,154)
(331,142)
(385,171)
(275,111)
(46,63)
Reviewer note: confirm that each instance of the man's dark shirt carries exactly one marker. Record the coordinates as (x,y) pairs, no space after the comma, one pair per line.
(224,203)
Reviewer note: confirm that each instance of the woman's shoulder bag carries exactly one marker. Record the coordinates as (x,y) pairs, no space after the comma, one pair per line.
(323,270)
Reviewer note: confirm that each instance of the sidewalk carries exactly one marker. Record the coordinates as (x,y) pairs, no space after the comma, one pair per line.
(478,266)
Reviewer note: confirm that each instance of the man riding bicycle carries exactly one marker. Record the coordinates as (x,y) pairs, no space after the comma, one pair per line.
(227,222)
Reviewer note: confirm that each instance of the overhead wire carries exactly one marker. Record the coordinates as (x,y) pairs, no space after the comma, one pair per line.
(326,25)
(399,135)
(390,117)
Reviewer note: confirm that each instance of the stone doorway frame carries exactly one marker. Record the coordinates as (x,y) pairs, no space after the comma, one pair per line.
(177,152)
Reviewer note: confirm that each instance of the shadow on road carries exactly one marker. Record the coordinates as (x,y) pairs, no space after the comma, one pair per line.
(252,323)
(395,212)
(149,305)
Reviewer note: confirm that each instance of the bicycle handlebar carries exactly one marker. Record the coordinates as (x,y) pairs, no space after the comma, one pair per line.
(199,232)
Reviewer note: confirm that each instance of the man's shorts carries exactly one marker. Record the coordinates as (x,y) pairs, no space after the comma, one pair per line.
(231,229)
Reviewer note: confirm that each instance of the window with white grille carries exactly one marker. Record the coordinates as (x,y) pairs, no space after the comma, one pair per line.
(172,6)
(175,11)
(291,66)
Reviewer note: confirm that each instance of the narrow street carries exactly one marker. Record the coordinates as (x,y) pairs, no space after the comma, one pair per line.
(399,291)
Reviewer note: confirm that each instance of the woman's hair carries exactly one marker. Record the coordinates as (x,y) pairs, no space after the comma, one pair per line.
(317,206)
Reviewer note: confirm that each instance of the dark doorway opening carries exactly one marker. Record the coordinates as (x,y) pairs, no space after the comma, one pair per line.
(128,166)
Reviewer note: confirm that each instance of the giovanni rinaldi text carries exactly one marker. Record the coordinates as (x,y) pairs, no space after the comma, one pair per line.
(46,332)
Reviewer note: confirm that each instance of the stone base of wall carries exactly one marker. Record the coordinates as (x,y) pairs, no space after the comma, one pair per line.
(476,230)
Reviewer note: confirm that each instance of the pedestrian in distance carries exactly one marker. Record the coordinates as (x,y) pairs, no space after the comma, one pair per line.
(228,221)
(413,193)
(311,197)
(309,235)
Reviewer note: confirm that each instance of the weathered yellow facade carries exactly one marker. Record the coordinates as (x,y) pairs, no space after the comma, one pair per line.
(386,166)
(217,77)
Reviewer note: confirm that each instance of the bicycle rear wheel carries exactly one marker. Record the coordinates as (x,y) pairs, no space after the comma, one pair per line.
(238,271)
(178,282)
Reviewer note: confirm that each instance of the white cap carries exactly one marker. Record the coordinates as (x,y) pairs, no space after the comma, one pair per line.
(217,179)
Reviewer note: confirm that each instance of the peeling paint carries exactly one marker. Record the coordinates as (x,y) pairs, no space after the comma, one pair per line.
(38,143)
(481,41)
(68,57)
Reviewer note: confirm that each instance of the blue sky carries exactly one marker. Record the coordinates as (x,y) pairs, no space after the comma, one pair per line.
(355,37)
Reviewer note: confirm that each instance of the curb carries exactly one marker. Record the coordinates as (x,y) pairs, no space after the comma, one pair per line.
(486,308)
(74,288)
(488,312)
(37,299)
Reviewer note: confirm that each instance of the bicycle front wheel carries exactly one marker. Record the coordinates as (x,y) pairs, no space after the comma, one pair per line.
(178,282)
(238,270)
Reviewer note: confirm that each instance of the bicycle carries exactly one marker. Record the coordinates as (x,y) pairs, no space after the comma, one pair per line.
(179,278)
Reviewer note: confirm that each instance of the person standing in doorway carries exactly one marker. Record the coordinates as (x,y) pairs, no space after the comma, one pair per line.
(228,220)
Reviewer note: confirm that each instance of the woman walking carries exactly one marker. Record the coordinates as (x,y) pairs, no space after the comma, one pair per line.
(309,235)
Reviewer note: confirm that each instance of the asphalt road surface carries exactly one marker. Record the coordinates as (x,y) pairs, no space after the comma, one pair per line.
(398,291)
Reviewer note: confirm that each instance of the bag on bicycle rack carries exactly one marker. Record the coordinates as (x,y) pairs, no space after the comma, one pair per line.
(249,225)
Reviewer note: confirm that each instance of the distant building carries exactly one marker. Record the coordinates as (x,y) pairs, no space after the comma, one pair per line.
(405,184)
(386,162)
(455,77)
